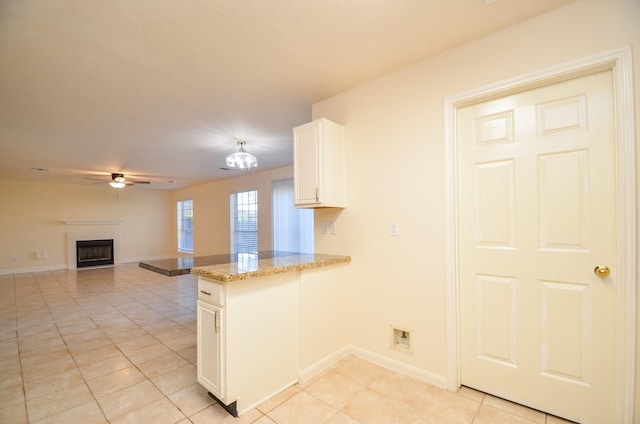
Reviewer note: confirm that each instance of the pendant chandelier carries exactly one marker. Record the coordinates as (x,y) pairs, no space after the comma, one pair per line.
(241,159)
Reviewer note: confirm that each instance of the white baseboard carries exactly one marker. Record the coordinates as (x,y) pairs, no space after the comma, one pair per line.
(401,367)
(42,268)
(386,362)
(249,408)
(323,364)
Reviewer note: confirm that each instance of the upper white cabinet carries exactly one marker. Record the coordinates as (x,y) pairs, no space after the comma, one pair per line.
(319,165)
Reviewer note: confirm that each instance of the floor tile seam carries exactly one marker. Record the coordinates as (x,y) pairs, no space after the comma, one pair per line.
(93,394)
(64,410)
(15,321)
(407,404)
(155,338)
(488,396)
(24,396)
(520,417)
(313,396)
(20,354)
(136,365)
(140,406)
(183,412)
(144,377)
(409,401)
(86,381)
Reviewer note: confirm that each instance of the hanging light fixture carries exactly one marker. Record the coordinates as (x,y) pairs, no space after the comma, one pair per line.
(241,159)
(118,181)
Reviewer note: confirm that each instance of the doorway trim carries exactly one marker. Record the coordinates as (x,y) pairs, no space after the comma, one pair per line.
(619,61)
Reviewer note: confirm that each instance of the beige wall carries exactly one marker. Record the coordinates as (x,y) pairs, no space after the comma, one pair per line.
(395,168)
(211,209)
(395,171)
(32,215)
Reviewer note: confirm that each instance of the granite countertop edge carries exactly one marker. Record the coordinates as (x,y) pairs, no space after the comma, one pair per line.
(229,272)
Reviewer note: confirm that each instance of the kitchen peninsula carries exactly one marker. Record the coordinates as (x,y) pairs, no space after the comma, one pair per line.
(253,313)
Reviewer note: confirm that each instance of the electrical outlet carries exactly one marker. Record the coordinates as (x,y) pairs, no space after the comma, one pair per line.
(329,227)
(394,229)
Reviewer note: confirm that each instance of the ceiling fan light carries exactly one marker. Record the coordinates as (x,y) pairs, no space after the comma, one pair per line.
(116,184)
(241,159)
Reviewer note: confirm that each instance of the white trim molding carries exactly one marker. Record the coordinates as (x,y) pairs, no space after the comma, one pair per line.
(307,374)
(619,61)
(332,359)
(94,222)
(43,268)
(400,367)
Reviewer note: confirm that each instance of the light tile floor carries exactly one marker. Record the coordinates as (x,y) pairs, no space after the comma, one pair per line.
(117,345)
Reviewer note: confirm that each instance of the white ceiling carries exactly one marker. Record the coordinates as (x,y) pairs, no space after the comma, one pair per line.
(163,89)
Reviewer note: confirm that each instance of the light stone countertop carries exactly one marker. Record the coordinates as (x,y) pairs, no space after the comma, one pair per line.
(253,267)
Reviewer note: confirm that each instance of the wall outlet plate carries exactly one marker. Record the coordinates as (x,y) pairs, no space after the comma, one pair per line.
(394,229)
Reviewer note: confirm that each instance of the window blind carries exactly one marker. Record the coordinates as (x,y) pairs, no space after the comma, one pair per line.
(185,226)
(244,222)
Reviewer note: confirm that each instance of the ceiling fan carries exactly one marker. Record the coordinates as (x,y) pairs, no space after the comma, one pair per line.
(119,181)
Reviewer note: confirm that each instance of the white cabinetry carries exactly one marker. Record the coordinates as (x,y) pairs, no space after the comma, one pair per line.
(209,344)
(211,338)
(248,338)
(319,165)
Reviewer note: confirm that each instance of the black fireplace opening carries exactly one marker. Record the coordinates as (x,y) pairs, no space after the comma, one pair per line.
(94,253)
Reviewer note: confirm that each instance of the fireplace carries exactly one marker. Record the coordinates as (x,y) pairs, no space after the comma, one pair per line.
(103,233)
(94,253)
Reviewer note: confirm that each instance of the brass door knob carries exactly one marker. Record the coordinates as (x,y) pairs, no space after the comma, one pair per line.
(602,271)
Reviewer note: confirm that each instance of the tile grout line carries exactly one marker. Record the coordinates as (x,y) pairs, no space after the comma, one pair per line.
(15,301)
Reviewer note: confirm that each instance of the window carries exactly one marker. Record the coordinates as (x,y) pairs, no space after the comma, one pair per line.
(244,222)
(185,226)
(292,228)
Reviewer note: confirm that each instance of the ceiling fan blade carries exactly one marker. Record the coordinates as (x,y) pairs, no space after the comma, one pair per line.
(116,175)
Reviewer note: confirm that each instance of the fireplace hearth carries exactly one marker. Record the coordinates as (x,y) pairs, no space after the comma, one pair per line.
(94,253)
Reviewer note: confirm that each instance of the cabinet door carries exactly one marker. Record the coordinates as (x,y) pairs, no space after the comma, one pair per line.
(209,349)
(319,165)
(306,163)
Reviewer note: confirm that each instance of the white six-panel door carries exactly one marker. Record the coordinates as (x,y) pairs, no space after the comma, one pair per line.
(537,215)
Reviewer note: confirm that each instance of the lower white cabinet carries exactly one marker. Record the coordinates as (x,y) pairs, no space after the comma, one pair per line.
(248,338)
(210,348)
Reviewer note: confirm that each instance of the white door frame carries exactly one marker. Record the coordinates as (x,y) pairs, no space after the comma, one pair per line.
(619,61)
